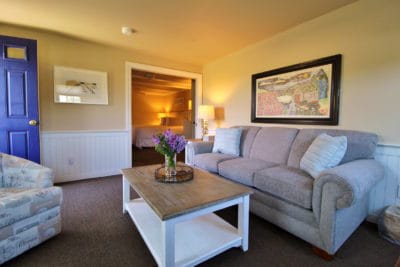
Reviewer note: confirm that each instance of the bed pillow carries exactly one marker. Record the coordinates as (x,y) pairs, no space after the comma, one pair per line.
(324,152)
(227,141)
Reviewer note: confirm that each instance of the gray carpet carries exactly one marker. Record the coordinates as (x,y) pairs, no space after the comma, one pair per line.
(96,233)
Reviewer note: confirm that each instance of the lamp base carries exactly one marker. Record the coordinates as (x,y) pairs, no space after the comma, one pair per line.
(205,127)
(208,138)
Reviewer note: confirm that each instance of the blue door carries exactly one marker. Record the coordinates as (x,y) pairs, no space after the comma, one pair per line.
(19,116)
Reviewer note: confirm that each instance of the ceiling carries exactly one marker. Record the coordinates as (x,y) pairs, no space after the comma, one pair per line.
(155,84)
(188,31)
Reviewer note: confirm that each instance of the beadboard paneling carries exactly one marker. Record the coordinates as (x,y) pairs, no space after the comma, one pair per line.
(81,154)
(387,191)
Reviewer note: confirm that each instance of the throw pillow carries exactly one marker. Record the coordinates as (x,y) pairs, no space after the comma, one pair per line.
(324,152)
(227,141)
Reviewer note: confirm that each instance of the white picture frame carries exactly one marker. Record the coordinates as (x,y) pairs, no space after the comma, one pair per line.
(80,86)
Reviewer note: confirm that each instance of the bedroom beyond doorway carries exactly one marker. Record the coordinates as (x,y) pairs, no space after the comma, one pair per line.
(159,102)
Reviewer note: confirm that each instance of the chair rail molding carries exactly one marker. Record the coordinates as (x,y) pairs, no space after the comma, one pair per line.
(76,155)
(387,192)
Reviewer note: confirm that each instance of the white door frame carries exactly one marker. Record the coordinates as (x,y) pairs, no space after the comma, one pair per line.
(128,90)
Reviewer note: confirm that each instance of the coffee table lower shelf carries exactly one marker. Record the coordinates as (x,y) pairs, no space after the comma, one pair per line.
(196,240)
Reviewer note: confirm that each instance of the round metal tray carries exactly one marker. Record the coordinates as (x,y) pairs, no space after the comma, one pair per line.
(184,173)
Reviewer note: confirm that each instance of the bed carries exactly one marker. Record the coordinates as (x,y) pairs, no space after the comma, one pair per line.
(142,135)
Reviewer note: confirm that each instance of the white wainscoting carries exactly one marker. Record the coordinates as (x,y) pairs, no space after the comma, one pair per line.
(79,155)
(87,154)
(387,191)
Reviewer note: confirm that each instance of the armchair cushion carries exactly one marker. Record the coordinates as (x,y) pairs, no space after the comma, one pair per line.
(17,203)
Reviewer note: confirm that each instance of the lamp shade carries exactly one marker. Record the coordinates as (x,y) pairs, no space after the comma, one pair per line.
(161,115)
(206,112)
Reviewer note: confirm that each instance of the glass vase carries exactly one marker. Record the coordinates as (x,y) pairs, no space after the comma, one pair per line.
(170,166)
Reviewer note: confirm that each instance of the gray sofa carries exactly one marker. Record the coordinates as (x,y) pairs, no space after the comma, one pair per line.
(324,211)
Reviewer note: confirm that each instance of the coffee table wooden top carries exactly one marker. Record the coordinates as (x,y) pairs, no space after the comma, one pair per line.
(169,200)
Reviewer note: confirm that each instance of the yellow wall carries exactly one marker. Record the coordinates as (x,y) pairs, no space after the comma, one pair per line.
(55,49)
(366,33)
(146,108)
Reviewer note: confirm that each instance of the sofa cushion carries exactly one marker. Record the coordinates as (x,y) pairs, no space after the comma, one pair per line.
(246,141)
(360,145)
(273,144)
(227,141)
(324,152)
(290,184)
(242,169)
(209,161)
(17,203)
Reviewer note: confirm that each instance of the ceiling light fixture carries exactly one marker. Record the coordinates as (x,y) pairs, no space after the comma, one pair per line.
(127,30)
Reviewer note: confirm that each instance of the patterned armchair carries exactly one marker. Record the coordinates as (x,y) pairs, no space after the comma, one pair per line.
(29,206)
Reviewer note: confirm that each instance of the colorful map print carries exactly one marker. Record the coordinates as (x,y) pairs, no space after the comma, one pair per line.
(303,93)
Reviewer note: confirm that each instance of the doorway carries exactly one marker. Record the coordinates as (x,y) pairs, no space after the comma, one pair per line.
(181,109)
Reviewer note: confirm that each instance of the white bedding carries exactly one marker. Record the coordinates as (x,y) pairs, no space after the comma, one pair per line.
(142,135)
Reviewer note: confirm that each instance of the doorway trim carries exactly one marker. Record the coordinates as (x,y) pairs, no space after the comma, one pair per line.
(151,68)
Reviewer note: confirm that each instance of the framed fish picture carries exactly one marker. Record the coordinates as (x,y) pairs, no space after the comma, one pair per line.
(305,93)
(80,86)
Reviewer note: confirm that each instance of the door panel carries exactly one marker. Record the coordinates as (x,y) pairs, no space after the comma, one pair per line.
(19,98)
(16,93)
(18,143)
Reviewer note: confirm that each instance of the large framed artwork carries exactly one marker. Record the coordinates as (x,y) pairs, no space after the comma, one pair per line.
(80,86)
(305,93)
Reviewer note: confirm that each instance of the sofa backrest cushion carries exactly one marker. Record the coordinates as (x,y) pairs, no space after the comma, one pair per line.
(273,144)
(247,139)
(360,145)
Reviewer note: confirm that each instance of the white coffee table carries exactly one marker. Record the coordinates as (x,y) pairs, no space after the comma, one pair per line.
(177,222)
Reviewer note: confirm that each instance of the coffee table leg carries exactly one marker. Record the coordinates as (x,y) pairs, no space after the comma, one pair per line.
(125,193)
(243,222)
(168,243)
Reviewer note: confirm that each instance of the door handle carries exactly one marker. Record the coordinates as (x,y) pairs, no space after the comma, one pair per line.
(33,122)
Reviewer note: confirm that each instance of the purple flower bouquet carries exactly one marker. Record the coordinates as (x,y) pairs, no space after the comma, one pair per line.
(169,144)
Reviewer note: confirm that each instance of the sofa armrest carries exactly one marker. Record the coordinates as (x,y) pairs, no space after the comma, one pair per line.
(346,183)
(22,173)
(194,148)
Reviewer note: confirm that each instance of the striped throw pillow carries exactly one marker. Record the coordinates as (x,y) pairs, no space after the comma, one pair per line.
(324,152)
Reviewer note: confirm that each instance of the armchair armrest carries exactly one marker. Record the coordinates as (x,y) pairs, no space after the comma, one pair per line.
(346,183)
(194,148)
(22,173)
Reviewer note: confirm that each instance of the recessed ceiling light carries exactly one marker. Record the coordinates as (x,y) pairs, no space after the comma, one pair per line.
(127,30)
